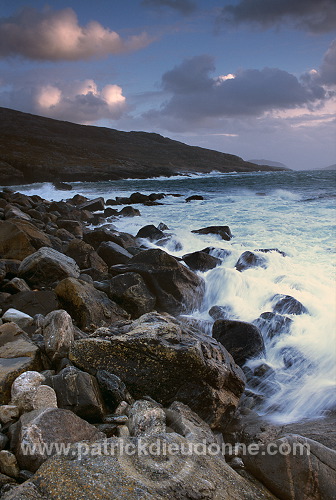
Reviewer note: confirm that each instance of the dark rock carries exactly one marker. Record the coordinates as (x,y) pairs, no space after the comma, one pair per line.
(156,196)
(129,212)
(73,226)
(150,232)
(19,238)
(177,289)
(48,426)
(285,304)
(112,253)
(78,199)
(13,212)
(139,198)
(79,392)
(200,261)
(46,266)
(163,227)
(194,197)
(293,357)
(32,303)
(64,236)
(110,212)
(85,256)
(93,205)
(129,290)
(219,253)
(223,231)
(242,340)
(89,307)
(98,236)
(194,369)
(221,312)
(267,250)
(249,259)
(113,390)
(62,186)
(9,268)
(16,285)
(273,325)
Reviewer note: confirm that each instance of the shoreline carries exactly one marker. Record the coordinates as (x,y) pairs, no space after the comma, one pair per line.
(100,308)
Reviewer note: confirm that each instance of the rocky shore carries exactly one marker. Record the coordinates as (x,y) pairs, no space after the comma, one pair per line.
(108,391)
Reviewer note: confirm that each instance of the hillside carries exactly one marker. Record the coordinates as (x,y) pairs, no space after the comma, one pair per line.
(36,149)
(330,167)
(270,163)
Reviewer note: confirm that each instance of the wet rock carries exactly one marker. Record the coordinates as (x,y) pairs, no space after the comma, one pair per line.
(285,304)
(150,232)
(200,261)
(129,290)
(18,239)
(110,212)
(273,325)
(146,418)
(89,307)
(78,199)
(24,388)
(223,231)
(58,334)
(268,250)
(114,391)
(93,205)
(242,340)
(85,255)
(177,289)
(249,259)
(8,464)
(293,357)
(32,303)
(20,318)
(17,355)
(45,427)
(129,212)
(62,186)
(194,369)
(79,392)
(311,468)
(46,266)
(112,254)
(194,197)
(139,198)
(221,312)
(219,253)
(16,285)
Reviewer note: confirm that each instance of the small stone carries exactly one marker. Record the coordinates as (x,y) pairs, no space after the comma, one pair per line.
(8,413)
(237,463)
(8,464)
(122,431)
(18,317)
(122,408)
(44,397)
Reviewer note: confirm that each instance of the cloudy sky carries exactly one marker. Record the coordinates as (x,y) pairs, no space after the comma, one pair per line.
(256,78)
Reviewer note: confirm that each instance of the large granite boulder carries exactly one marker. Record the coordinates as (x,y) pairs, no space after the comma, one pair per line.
(35,430)
(90,308)
(297,467)
(158,359)
(58,334)
(177,289)
(130,291)
(47,266)
(242,340)
(17,355)
(19,238)
(85,255)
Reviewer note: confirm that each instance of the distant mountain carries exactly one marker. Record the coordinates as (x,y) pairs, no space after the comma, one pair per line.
(38,149)
(331,167)
(270,163)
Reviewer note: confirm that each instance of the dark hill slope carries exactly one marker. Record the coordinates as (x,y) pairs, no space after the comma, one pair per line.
(36,149)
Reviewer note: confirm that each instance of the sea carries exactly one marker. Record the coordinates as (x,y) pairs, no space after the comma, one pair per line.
(291,211)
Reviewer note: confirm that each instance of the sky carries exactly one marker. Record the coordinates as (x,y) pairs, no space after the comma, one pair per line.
(255,78)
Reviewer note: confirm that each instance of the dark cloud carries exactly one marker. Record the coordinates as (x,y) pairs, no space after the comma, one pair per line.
(328,66)
(185,7)
(56,35)
(315,16)
(196,96)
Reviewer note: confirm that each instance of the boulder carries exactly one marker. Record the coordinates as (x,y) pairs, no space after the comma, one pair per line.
(194,197)
(17,355)
(13,212)
(89,307)
(85,255)
(18,239)
(223,231)
(242,340)
(16,285)
(286,304)
(181,419)
(139,198)
(177,289)
(249,259)
(113,389)
(221,312)
(129,290)
(22,319)
(297,468)
(193,369)
(44,397)
(129,212)
(62,186)
(150,232)
(58,333)
(51,426)
(96,237)
(24,388)
(79,392)
(93,205)
(46,266)
(112,254)
(273,324)
(201,261)
(73,226)
(8,464)
(98,472)
(145,418)
(32,303)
